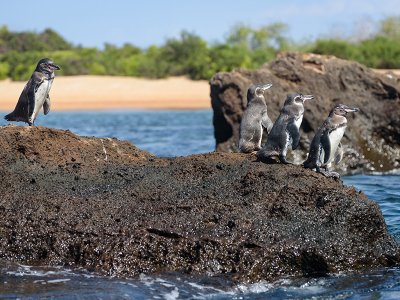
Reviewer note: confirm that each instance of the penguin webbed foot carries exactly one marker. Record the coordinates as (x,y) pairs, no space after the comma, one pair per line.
(327,173)
(283,160)
(248,149)
(267,159)
(334,175)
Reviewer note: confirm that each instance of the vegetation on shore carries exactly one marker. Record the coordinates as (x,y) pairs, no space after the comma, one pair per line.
(189,54)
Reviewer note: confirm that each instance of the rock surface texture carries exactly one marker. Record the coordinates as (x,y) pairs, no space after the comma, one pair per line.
(105,205)
(372,138)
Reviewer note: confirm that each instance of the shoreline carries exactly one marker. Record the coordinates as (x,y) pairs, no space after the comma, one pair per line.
(99,93)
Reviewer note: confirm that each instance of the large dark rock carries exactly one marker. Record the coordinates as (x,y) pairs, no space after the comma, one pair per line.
(372,139)
(106,206)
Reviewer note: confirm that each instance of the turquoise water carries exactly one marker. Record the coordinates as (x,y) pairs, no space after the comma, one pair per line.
(175,133)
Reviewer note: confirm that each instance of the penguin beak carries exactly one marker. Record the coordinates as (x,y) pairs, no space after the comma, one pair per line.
(307,97)
(351,109)
(266,86)
(55,67)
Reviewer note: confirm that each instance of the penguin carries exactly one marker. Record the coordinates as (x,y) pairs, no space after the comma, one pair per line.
(35,94)
(255,119)
(325,147)
(286,129)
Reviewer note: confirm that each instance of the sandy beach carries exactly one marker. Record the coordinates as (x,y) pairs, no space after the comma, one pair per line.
(115,92)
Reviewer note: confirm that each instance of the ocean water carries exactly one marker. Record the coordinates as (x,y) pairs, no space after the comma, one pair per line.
(161,132)
(177,133)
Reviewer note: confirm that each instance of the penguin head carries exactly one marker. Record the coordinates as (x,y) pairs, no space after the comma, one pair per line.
(46,65)
(297,99)
(342,110)
(257,90)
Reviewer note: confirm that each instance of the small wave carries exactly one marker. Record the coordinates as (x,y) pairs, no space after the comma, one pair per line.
(204,287)
(58,280)
(299,287)
(391,172)
(180,286)
(174,294)
(259,287)
(20,270)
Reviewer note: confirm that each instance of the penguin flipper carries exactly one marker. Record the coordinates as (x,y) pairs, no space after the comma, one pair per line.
(326,146)
(35,82)
(314,153)
(266,122)
(294,133)
(46,105)
(338,154)
(31,100)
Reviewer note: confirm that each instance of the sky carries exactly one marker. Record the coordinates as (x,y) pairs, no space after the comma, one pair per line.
(143,23)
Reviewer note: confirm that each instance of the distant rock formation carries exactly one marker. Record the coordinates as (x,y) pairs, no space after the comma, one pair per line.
(372,139)
(105,205)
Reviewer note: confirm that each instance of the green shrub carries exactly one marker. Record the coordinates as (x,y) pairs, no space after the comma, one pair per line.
(4,69)
(188,54)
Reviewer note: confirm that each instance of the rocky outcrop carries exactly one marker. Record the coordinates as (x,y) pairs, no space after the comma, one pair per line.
(372,139)
(105,205)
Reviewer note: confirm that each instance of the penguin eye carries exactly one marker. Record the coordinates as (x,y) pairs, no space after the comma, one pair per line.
(341,111)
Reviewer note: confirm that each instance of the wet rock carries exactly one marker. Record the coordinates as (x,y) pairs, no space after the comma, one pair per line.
(117,210)
(371,141)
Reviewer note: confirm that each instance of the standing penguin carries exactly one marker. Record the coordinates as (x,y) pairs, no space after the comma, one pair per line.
(325,147)
(35,94)
(285,130)
(255,119)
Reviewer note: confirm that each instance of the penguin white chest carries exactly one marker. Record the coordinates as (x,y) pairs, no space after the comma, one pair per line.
(41,95)
(298,121)
(334,137)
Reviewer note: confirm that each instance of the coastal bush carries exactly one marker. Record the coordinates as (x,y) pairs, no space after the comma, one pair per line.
(380,52)
(188,54)
(48,40)
(4,67)
(338,48)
